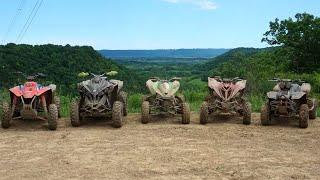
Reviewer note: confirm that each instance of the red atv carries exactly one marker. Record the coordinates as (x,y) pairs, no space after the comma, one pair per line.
(31,101)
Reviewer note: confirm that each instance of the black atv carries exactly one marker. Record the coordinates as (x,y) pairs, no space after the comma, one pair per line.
(99,97)
(289,98)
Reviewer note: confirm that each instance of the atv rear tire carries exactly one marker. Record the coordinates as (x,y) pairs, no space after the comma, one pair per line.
(74,114)
(57,102)
(52,117)
(313,113)
(247,114)
(123,97)
(185,113)
(6,116)
(145,112)
(265,115)
(117,114)
(304,116)
(204,114)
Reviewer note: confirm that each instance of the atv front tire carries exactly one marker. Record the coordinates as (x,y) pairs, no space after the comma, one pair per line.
(265,115)
(204,114)
(53,117)
(145,112)
(123,97)
(117,114)
(185,113)
(247,113)
(6,116)
(313,113)
(74,114)
(57,102)
(304,116)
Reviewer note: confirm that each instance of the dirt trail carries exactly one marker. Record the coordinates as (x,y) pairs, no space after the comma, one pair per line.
(164,149)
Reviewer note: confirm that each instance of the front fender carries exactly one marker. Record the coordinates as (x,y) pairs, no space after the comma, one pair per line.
(43,90)
(16,91)
(298,95)
(272,95)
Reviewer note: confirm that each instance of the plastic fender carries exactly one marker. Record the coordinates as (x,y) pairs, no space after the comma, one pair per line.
(43,90)
(272,95)
(151,86)
(174,87)
(306,87)
(240,85)
(297,95)
(215,85)
(16,91)
(118,82)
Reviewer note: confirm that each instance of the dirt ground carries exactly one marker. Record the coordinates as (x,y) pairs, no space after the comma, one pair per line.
(163,149)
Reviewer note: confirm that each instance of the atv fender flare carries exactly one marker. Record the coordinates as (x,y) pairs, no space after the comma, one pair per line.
(44,90)
(118,83)
(272,95)
(299,95)
(16,91)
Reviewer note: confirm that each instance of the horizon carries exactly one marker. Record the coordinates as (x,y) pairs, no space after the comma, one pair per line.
(147,25)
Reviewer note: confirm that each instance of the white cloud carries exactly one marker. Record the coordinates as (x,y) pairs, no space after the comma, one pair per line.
(203,4)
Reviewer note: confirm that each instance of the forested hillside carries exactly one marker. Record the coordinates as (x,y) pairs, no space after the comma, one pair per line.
(61,64)
(163,53)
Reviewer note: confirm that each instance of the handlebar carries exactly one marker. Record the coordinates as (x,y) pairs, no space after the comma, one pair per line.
(236,79)
(170,80)
(286,80)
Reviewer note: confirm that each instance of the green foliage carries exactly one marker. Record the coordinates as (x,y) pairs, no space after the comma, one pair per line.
(301,36)
(61,64)
(134,102)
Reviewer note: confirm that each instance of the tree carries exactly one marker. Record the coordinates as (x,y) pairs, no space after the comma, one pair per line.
(301,36)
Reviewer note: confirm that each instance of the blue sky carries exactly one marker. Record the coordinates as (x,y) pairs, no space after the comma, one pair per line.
(148,24)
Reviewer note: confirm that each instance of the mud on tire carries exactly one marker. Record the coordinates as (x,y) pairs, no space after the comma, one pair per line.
(123,97)
(145,112)
(52,117)
(6,116)
(313,113)
(185,113)
(265,115)
(117,114)
(304,116)
(247,114)
(204,114)
(74,114)
(57,102)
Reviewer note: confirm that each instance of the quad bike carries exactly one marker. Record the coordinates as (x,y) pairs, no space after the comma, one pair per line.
(226,96)
(163,99)
(32,101)
(289,98)
(100,97)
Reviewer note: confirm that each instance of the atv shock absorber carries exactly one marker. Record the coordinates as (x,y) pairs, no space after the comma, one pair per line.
(44,104)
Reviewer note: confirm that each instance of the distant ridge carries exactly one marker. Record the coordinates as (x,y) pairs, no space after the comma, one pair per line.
(163,53)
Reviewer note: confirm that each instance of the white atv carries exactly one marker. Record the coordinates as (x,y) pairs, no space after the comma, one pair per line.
(163,99)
